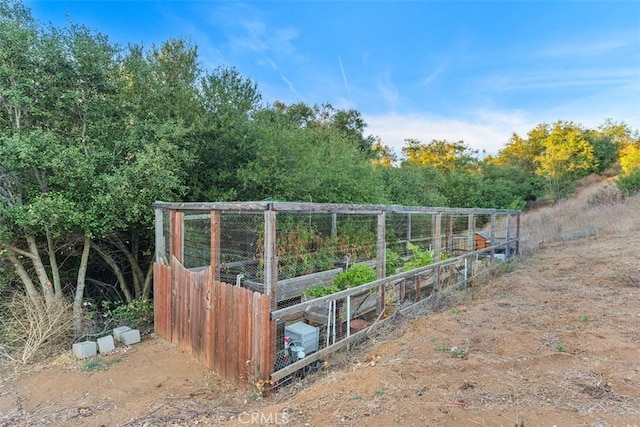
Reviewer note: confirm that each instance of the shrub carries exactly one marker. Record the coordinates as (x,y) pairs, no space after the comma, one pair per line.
(138,314)
(606,195)
(393,262)
(420,258)
(36,331)
(629,184)
(318,291)
(357,275)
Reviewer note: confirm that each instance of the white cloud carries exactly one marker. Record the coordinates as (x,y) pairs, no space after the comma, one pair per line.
(485,130)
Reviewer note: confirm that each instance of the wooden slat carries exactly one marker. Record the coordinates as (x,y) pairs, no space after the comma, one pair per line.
(220,325)
(255,333)
(161,300)
(249,327)
(268,356)
(207,341)
(232,334)
(222,330)
(175,322)
(215,325)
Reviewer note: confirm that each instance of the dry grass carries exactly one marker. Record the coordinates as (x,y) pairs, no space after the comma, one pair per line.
(36,332)
(597,209)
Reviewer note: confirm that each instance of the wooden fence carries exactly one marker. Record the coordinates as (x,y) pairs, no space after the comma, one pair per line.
(226,328)
(238,332)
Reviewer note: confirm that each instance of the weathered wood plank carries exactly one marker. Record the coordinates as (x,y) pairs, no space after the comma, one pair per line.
(215,244)
(222,330)
(161,300)
(253,207)
(175,234)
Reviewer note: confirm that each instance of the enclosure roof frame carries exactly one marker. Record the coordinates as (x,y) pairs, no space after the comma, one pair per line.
(339,208)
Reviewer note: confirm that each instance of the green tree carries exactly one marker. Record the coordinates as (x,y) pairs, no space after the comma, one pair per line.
(411,185)
(225,135)
(445,155)
(299,158)
(522,153)
(79,164)
(567,157)
(630,158)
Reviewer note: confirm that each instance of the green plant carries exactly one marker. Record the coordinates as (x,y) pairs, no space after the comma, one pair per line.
(99,364)
(420,257)
(455,310)
(560,346)
(585,319)
(317,291)
(355,276)
(392,262)
(629,184)
(378,391)
(137,314)
(458,352)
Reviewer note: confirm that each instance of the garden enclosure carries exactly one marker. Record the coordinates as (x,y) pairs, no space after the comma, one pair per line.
(233,279)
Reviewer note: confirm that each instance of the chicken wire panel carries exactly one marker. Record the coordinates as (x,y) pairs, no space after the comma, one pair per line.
(455,234)
(241,247)
(304,244)
(356,237)
(421,228)
(164,251)
(196,234)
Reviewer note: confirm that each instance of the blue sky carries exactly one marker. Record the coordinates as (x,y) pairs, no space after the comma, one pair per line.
(473,71)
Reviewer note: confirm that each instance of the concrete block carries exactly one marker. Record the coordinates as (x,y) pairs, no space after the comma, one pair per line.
(129,337)
(106,344)
(84,349)
(117,331)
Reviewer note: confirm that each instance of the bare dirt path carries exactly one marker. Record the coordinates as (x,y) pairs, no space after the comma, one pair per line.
(554,342)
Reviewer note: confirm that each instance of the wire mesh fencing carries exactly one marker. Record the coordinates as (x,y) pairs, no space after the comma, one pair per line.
(333,271)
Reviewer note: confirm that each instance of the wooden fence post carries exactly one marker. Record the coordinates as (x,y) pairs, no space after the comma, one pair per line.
(215,245)
(518,234)
(493,234)
(161,248)
(270,256)
(437,249)
(507,250)
(471,244)
(381,258)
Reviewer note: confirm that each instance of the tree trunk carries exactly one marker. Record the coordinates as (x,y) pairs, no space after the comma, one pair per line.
(116,270)
(148,283)
(53,261)
(32,291)
(136,271)
(47,289)
(82,273)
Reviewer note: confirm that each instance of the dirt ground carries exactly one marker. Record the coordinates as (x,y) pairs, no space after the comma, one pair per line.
(552,341)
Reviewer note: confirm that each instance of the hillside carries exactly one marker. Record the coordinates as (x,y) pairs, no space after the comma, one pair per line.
(551,340)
